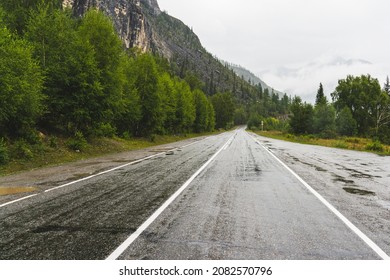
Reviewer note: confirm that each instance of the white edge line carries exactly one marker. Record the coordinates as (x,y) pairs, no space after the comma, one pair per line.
(119,251)
(348,223)
(122,166)
(101,173)
(17,200)
(104,172)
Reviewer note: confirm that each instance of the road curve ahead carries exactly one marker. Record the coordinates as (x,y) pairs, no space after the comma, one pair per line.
(241,203)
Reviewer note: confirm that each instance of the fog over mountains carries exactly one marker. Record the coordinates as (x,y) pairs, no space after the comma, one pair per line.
(303,79)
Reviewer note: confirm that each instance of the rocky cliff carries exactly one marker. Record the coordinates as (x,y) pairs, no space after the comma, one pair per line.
(141,23)
(127,16)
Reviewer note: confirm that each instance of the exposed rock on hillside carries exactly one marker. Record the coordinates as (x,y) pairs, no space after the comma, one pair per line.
(141,23)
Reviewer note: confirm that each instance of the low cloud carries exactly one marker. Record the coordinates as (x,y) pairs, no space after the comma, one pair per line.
(303,80)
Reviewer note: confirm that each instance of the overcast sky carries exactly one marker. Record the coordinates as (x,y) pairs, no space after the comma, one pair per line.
(293,45)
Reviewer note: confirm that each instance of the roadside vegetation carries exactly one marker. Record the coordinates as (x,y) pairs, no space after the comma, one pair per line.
(349,143)
(358,118)
(49,151)
(70,90)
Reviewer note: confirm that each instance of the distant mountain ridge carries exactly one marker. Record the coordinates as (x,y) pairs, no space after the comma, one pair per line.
(250,77)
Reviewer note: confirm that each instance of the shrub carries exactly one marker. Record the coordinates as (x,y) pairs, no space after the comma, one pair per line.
(152,137)
(352,140)
(105,130)
(328,134)
(53,142)
(254,121)
(78,142)
(375,146)
(4,156)
(126,135)
(22,150)
(341,145)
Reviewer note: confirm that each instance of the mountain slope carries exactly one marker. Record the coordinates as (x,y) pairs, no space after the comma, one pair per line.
(141,24)
(250,77)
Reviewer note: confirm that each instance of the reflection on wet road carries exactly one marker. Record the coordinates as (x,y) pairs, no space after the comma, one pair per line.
(243,205)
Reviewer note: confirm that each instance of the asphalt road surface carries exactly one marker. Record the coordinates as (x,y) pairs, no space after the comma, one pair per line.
(224,197)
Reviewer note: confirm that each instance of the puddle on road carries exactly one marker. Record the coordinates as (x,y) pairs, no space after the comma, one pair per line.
(321,169)
(338,178)
(358,191)
(15,190)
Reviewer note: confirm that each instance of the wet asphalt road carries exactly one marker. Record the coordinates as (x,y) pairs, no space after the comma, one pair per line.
(244,205)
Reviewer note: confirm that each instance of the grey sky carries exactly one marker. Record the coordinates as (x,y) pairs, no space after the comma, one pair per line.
(294,44)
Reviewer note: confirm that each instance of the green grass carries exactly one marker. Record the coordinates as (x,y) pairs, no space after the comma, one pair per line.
(56,150)
(349,143)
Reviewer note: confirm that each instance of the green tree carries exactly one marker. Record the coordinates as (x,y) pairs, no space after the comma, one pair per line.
(224,107)
(324,116)
(129,110)
(21,83)
(360,95)
(254,121)
(98,30)
(345,123)
(210,116)
(301,121)
(201,114)
(17,13)
(321,98)
(240,116)
(382,112)
(146,82)
(324,120)
(185,107)
(76,100)
(166,90)
(386,87)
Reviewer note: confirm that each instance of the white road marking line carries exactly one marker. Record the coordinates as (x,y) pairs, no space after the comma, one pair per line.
(107,171)
(101,173)
(349,224)
(123,247)
(17,200)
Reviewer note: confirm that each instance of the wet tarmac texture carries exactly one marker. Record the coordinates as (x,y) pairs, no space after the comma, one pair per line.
(247,206)
(90,219)
(244,205)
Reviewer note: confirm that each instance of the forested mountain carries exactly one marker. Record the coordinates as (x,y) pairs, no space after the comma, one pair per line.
(250,77)
(90,79)
(141,24)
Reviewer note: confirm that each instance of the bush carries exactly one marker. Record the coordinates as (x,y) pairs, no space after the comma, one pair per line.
(352,140)
(105,130)
(22,150)
(77,143)
(4,156)
(53,142)
(375,146)
(341,145)
(254,121)
(126,135)
(152,137)
(328,134)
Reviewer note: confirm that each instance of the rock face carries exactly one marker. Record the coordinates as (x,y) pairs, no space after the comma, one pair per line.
(141,24)
(127,17)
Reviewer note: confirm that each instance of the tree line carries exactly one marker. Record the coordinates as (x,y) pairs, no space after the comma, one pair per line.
(66,75)
(359,107)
